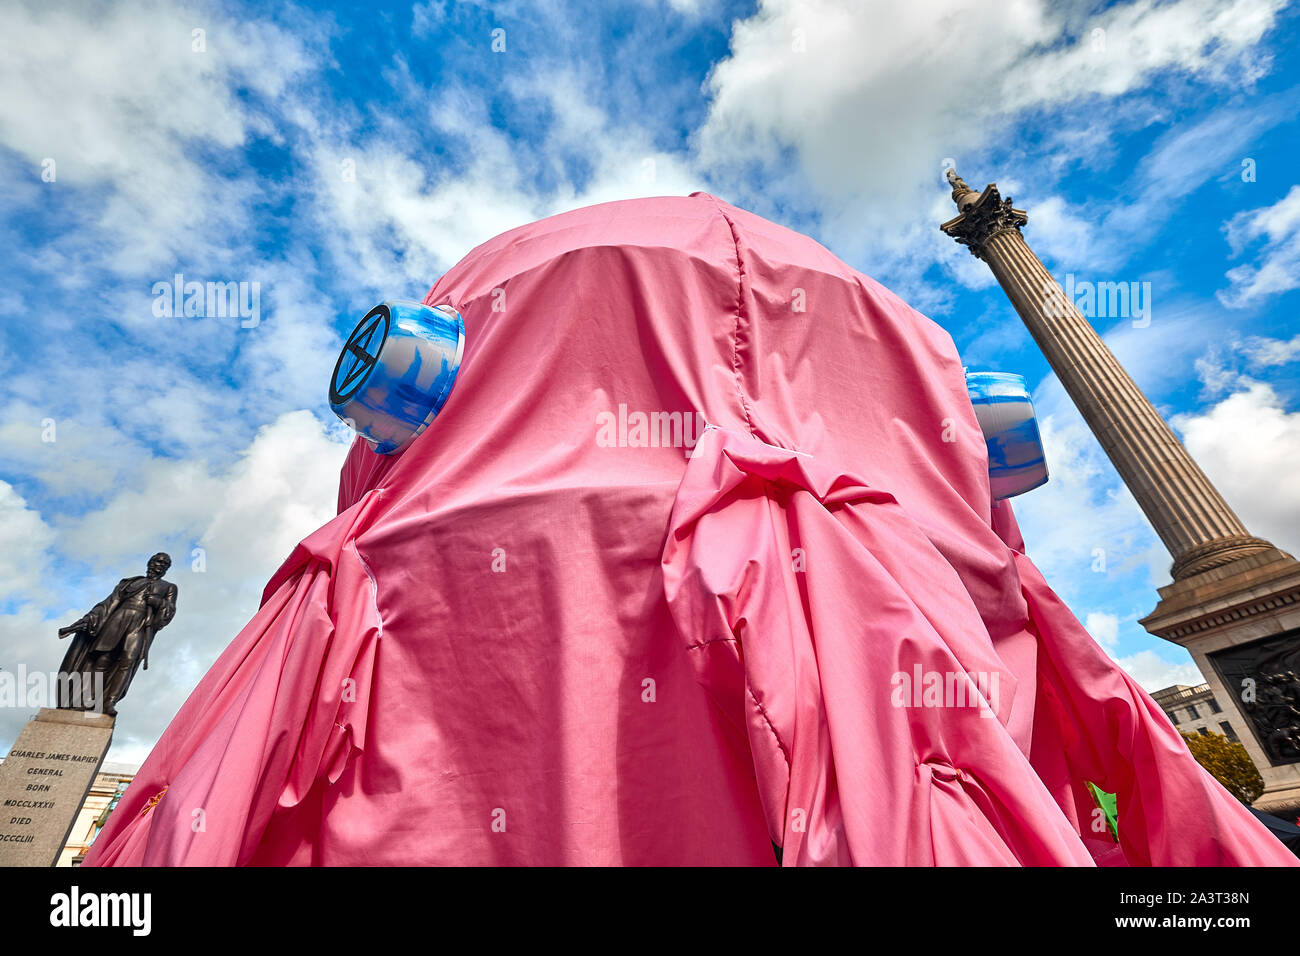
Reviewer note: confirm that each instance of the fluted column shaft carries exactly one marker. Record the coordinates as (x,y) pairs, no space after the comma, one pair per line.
(1188,513)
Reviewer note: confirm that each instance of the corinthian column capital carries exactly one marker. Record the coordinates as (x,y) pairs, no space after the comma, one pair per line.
(983,215)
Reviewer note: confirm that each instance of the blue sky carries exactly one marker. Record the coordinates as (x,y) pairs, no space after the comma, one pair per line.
(336,157)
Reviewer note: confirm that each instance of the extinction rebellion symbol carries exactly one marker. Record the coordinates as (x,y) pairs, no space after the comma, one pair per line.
(359,355)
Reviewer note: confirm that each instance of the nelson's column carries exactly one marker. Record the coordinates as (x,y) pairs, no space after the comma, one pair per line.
(1234,601)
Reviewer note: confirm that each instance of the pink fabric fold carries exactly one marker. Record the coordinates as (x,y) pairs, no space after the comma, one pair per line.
(809,602)
(569,625)
(283,709)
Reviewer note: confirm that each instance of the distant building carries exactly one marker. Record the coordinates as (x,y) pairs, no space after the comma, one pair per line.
(110,783)
(1194,710)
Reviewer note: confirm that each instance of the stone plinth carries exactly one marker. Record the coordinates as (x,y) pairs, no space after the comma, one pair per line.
(45,779)
(1241,623)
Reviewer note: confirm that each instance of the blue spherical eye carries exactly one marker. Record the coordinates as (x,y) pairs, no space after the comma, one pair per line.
(396,370)
(1006,417)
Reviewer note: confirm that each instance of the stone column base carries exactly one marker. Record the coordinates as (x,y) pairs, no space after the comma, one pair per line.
(1252,601)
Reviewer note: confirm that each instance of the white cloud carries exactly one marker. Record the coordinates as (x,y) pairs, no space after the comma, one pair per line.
(285,361)
(871,111)
(1216,377)
(1207,37)
(427,17)
(1263,352)
(25,540)
(397,220)
(1083,528)
(1153,672)
(285,485)
(167,501)
(1249,446)
(861,106)
(1061,233)
(847,113)
(1278,264)
(1103,627)
(1220,368)
(399,223)
(77,462)
(118,97)
(246,518)
(1181,161)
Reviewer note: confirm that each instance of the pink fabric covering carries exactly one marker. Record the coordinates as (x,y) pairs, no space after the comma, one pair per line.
(526,642)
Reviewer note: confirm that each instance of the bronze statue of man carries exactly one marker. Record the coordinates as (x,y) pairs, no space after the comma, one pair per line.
(113,639)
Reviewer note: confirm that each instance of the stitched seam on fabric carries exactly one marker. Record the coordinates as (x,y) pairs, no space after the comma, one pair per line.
(712,640)
(740,314)
(767,720)
(785,754)
(374,587)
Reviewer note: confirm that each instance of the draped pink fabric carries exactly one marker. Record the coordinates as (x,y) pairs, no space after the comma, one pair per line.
(573,625)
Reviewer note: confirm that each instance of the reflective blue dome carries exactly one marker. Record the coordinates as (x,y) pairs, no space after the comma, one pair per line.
(1006,416)
(396,370)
